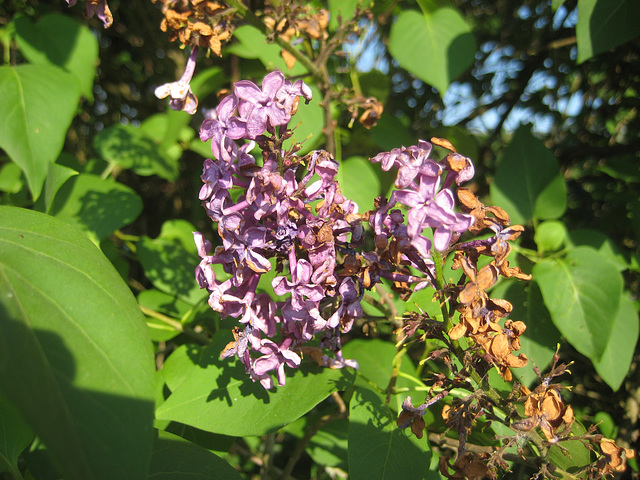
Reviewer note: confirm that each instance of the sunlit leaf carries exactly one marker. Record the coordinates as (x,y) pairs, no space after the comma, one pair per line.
(436,45)
(38,104)
(75,355)
(219,396)
(614,364)
(582,292)
(359,182)
(61,41)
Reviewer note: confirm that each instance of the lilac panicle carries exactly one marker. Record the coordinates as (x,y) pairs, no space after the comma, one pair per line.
(269,222)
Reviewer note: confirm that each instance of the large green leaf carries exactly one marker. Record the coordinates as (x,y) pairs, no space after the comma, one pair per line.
(528,183)
(614,364)
(582,292)
(38,104)
(308,123)
(15,435)
(605,24)
(75,355)
(378,449)
(218,396)
(175,458)
(95,205)
(61,41)
(436,45)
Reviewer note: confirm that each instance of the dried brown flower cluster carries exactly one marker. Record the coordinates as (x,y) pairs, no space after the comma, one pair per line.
(203,23)
(479,314)
(290,21)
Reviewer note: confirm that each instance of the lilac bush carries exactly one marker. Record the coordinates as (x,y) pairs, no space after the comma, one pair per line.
(308,230)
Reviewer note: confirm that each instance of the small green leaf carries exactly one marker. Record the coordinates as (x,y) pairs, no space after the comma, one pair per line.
(528,183)
(344,9)
(582,292)
(550,236)
(75,355)
(605,24)
(436,46)
(11,180)
(61,41)
(359,182)
(57,176)
(95,205)
(614,364)
(15,435)
(219,396)
(174,458)
(38,104)
(378,449)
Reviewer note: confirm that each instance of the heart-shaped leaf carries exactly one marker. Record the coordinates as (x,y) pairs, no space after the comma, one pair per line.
(75,354)
(38,104)
(582,292)
(528,183)
(436,45)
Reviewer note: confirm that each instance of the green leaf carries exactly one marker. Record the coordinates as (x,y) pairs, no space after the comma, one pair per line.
(169,265)
(540,339)
(61,41)
(582,292)
(255,45)
(614,364)
(15,435)
(38,104)
(359,182)
(11,180)
(57,176)
(175,458)
(165,304)
(375,360)
(328,447)
(378,449)
(132,148)
(577,455)
(528,184)
(392,132)
(95,205)
(345,9)
(436,46)
(550,236)
(599,241)
(605,24)
(219,396)
(308,123)
(75,355)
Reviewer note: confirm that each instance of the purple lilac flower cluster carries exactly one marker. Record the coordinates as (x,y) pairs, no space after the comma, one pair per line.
(290,215)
